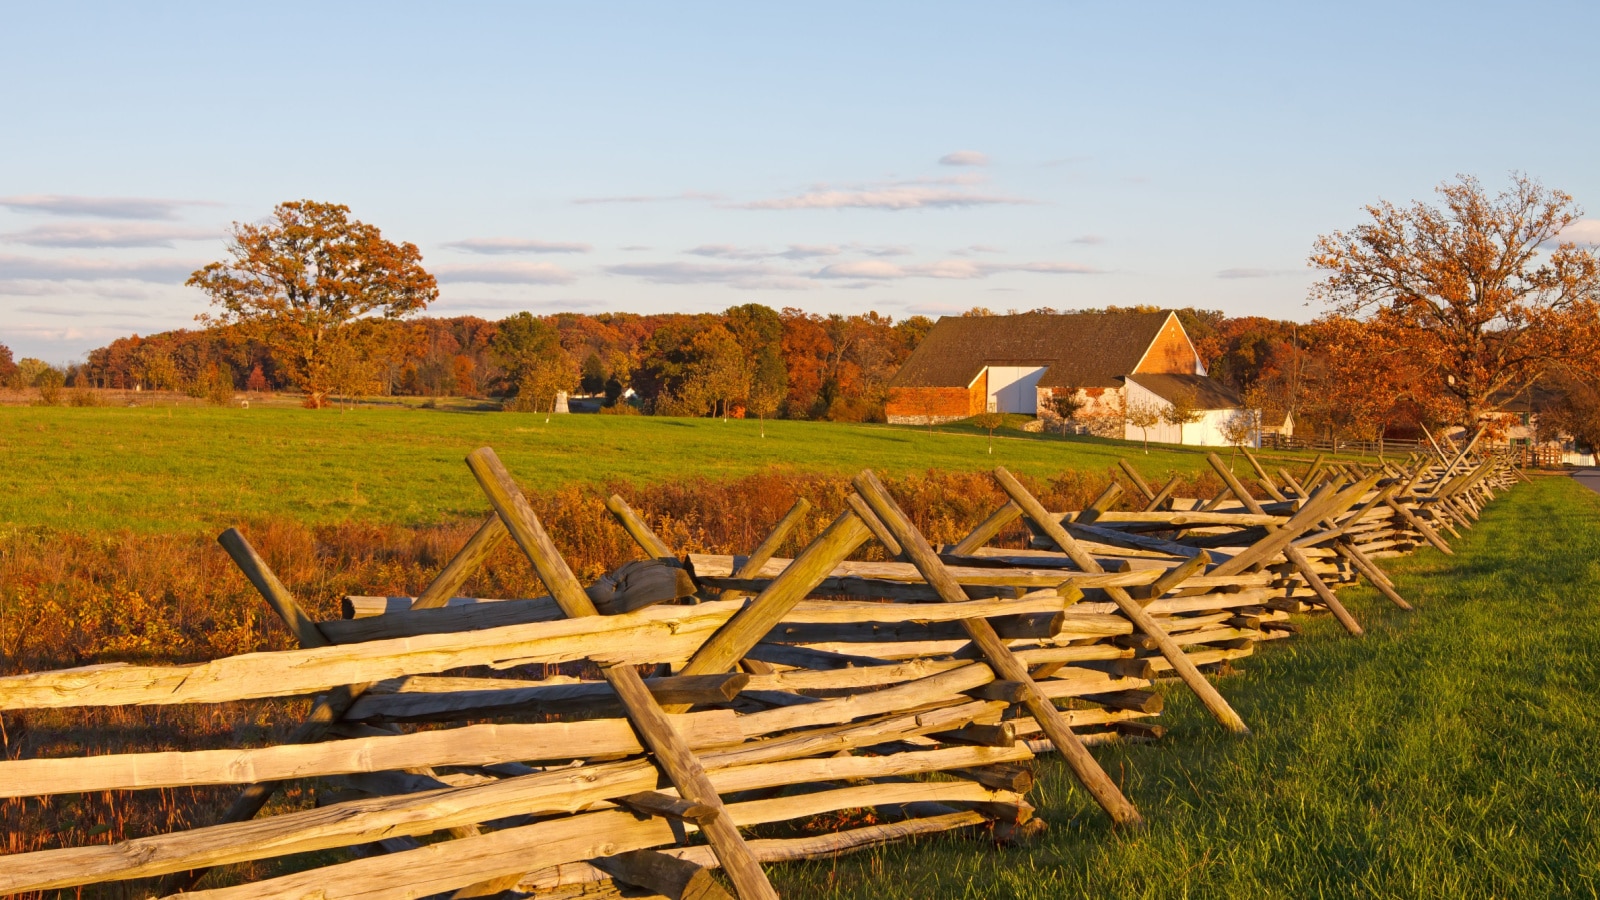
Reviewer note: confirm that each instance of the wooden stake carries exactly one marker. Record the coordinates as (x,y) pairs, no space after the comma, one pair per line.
(1129,607)
(1006,666)
(647,539)
(462,566)
(655,731)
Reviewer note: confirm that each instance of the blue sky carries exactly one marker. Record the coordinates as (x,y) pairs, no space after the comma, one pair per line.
(904,158)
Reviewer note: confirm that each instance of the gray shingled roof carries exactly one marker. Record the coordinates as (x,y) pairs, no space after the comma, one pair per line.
(1207,394)
(1081,349)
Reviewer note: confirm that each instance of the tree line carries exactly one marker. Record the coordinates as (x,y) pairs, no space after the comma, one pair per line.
(1447,314)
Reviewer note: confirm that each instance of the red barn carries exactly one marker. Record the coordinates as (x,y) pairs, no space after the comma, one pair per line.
(970,364)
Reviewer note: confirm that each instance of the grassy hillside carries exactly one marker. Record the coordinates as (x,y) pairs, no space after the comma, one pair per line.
(1449,753)
(201,468)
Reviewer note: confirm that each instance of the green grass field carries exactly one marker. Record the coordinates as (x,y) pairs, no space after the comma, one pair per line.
(194,468)
(1449,753)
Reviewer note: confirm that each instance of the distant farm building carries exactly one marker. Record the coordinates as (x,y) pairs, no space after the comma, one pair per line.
(1019,364)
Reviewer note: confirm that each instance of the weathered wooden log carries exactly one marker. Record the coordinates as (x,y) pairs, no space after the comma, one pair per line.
(653,634)
(591,697)
(466,746)
(1010,627)
(636,585)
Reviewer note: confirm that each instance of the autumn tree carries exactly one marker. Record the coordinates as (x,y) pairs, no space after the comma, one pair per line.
(769,382)
(718,374)
(1066,402)
(989,421)
(593,379)
(8,368)
(535,365)
(1143,415)
(1181,409)
(1575,412)
(305,279)
(1239,428)
(1481,290)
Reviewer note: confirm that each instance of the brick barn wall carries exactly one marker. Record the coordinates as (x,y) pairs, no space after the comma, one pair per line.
(913,405)
(1170,353)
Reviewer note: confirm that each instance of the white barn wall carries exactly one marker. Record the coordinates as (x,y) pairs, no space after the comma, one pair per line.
(1207,432)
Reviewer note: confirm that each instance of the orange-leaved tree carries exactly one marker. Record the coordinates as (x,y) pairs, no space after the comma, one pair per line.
(308,282)
(1482,293)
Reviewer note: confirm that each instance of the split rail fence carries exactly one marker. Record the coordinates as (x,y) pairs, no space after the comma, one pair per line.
(717,694)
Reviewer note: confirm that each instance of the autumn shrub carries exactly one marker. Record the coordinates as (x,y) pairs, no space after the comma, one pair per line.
(49,382)
(83,396)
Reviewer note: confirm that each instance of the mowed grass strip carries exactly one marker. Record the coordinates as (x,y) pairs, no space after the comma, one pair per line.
(182,469)
(1450,753)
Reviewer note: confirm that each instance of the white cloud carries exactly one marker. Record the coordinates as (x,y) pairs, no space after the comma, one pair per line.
(889,197)
(794,251)
(957,269)
(746,275)
(77,269)
(863,268)
(964,158)
(109,234)
(98,207)
(1583,231)
(728,251)
(497,246)
(504,273)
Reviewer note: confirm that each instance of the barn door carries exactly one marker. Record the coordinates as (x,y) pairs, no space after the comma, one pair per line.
(1014,389)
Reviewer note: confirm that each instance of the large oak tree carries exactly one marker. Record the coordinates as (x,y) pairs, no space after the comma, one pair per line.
(1481,292)
(309,282)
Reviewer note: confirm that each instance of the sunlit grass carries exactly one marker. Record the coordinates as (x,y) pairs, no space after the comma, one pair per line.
(190,468)
(1449,753)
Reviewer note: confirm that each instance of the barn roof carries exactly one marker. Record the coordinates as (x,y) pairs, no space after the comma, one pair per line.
(1207,394)
(1079,349)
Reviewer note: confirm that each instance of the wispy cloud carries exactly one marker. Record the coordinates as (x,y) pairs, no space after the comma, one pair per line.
(504,273)
(960,269)
(650,198)
(1252,273)
(900,196)
(793,251)
(98,207)
(976,248)
(964,158)
(109,234)
(74,269)
(746,275)
(501,246)
(1090,239)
